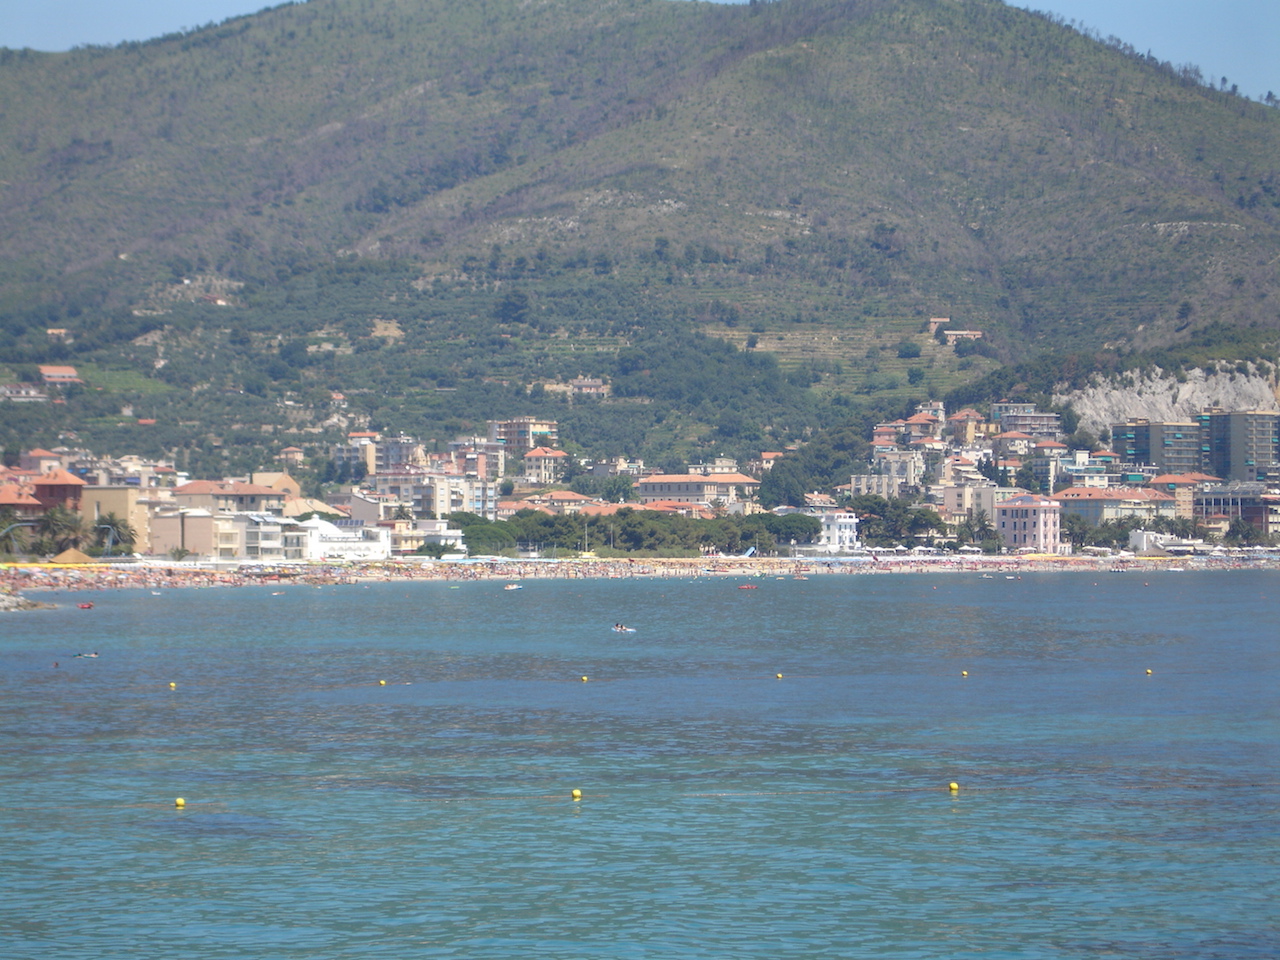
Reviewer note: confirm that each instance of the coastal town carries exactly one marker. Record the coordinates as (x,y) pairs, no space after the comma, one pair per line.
(1000,484)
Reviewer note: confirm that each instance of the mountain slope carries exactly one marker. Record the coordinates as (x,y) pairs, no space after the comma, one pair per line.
(822,173)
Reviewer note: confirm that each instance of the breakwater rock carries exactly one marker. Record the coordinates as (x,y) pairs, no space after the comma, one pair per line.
(12,602)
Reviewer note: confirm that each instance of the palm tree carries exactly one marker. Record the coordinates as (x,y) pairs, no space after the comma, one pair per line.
(62,528)
(13,531)
(111,530)
(982,528)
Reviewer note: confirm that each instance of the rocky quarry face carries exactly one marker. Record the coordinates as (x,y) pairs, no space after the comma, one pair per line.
(1160,396)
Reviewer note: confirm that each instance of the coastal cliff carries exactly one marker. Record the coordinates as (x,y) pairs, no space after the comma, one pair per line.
(1158,395)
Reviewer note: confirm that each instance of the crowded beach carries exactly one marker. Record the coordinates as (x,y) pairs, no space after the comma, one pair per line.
(17,579)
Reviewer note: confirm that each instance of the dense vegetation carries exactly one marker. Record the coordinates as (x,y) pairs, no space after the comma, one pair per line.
(739,216)
(636,532)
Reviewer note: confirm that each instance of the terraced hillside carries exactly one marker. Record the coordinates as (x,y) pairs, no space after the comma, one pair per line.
(530,190)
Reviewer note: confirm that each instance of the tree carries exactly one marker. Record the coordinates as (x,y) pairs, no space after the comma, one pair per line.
(1074,528)
(983,529)
(63,529)
(785,484)
(13,536)
(513,308)
(111,531)
(1026,479)
(1245,534)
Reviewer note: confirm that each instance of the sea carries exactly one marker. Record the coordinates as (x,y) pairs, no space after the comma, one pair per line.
(388,770)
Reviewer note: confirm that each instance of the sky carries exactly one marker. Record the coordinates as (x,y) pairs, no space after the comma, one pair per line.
(1238,39)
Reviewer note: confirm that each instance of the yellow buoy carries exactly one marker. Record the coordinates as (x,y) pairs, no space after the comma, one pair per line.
(179,802)
(382,683)
(584,679)
(964,673)
(953,786)
(174,686)
(577,794)
(778,675)
(1148,673)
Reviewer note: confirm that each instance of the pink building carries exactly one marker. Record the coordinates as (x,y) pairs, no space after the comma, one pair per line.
(1029,522)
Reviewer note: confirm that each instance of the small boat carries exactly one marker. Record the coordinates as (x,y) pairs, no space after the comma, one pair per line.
(513,586)
(621,629)
(986,576)
(85,606)
(747,586)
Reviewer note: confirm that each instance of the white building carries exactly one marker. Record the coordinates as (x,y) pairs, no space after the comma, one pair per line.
(433,494)
(839,532)
(269,538)
(325,541)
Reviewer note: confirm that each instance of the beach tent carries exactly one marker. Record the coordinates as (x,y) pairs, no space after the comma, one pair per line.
(72,556)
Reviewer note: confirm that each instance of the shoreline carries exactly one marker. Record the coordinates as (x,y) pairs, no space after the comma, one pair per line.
(16,579)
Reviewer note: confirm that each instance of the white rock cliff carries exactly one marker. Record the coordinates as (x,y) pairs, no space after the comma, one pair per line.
(1159,396)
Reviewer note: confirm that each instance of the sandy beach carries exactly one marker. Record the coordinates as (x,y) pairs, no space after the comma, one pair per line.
(22,578)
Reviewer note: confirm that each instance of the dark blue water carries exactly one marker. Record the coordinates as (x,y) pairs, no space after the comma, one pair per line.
(725,813)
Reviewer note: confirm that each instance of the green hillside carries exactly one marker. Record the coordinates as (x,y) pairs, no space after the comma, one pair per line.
(435,207)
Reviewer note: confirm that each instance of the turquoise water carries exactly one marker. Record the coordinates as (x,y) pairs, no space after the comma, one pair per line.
(726,813)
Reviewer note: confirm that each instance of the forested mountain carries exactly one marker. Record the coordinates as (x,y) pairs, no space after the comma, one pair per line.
(739,216)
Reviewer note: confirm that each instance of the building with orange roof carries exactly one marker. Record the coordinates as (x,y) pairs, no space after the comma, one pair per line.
(966,426)
(724,488)
(543,465)
(559,501)
(21,499)
(1099,504)
(696,511)
(1182,487)
(229,496)
(1012,443)
(54,374)
(921,425)
(764,463)
(598,509)
(39,460)
(58,488)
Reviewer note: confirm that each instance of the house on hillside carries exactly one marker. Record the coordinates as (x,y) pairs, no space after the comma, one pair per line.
(543,465)
(57,375)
